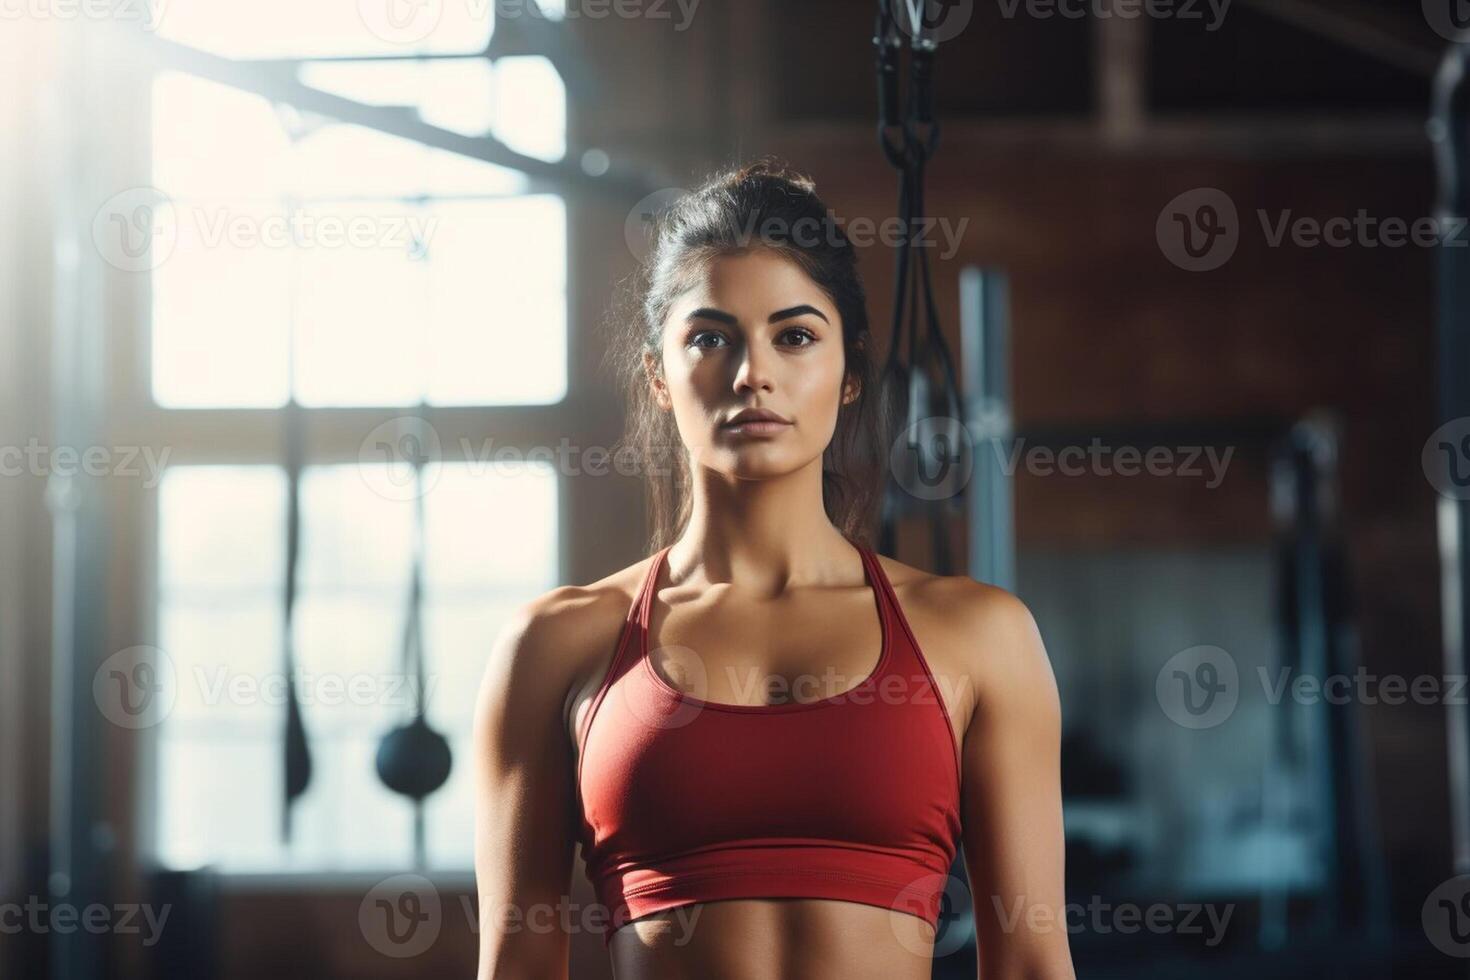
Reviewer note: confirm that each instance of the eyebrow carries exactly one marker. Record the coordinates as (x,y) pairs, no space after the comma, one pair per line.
(710,313)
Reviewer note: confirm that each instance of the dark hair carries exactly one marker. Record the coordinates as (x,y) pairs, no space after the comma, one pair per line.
(761,205)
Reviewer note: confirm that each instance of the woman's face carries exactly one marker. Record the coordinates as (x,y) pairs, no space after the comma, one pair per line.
(754,332)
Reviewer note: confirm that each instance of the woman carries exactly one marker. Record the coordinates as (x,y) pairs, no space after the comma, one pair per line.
(768,741)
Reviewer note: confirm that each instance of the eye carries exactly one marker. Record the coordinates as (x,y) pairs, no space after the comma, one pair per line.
(695,341)
(811,338)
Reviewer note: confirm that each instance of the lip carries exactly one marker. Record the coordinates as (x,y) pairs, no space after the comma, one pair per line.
(755,427)
(749,416)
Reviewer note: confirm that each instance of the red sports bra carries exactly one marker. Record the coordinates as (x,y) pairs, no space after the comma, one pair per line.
(855,797)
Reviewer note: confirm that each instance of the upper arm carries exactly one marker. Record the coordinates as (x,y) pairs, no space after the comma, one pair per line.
(1011,806)
(525,829)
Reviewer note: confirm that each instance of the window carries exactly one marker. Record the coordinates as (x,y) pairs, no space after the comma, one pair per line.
(358,275)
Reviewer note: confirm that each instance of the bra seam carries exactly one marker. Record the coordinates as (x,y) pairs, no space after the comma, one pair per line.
(638,890)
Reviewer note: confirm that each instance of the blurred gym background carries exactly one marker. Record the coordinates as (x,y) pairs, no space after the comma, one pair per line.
(302,314)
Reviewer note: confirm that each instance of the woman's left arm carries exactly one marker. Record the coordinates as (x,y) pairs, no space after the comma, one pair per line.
(1011,805)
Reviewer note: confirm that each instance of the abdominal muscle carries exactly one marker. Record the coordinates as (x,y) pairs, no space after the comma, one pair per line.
(773,939)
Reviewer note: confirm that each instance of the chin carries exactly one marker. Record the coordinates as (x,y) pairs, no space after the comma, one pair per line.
(761,463)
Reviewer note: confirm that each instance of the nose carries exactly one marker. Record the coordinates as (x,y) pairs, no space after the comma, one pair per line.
(752,374)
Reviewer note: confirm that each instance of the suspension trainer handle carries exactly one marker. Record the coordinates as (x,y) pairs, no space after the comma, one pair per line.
(886,43)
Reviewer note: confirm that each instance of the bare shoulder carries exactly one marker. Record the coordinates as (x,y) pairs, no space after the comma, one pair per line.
(554,645)
(982,637)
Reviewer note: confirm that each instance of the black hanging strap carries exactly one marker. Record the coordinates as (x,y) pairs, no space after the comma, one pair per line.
(919,374)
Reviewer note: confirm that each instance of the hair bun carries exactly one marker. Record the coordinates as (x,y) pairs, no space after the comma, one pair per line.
(772,168)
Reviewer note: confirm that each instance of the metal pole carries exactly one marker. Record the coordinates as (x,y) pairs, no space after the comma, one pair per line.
(1449,129)
(81,840)
(278,83)
(985,357)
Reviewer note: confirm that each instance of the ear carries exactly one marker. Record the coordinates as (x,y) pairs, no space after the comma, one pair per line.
(656,382)
(852,385)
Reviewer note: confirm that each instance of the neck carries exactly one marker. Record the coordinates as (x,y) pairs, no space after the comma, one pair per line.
(770,533)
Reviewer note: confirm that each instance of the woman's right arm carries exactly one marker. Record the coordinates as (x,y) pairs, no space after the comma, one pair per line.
(525,829)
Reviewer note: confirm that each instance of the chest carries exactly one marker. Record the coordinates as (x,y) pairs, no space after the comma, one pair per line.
(738,650)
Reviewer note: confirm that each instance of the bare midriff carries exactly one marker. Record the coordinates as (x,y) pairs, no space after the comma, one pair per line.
(772,939)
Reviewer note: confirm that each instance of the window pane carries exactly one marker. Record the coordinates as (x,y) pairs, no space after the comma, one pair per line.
(221,309)
(359,319)
(497,275)
(491,529)
(225,655)
(351,646)
(218,791)
(220,297)
(511,357)
(290,28)
(531,107)
(509,245)
(351,535)
(212,141)
(458,630)
(221,528)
